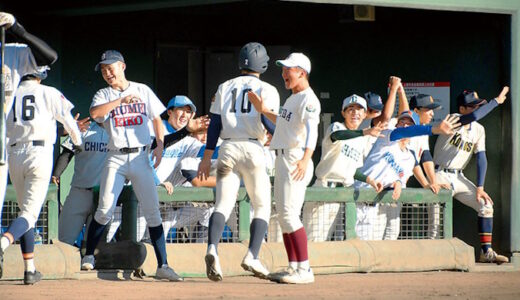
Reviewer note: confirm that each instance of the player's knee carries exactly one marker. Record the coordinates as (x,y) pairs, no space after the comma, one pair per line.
(102,218)
(30,219)
(153,219)
(289,222)
(486,211)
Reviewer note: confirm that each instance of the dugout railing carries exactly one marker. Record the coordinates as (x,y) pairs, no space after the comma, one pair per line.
(418,206)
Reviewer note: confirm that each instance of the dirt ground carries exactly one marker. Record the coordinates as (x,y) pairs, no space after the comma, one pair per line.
(428,285)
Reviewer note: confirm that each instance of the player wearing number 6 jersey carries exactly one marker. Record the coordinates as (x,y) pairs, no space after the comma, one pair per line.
(31,128)
(242,129)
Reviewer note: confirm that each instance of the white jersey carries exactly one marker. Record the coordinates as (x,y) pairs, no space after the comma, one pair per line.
(290,124)
(36,109)
(127,124)
(90,161)
(19,61)
(387,163)
(240,120)
(455,151)
(340,159)
(186,170)
(186,147)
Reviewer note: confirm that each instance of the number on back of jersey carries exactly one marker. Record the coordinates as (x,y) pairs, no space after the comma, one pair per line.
(27,113)
(244,106)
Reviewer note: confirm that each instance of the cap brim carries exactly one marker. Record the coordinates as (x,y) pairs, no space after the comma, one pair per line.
(477,103)
(378,107)
(105,62)
(433,106)
(284,63)
(192,106)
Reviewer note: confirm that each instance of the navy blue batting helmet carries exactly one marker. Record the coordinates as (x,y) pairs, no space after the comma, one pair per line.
(253,56)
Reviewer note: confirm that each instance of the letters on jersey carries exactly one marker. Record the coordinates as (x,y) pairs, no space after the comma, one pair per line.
(128,114)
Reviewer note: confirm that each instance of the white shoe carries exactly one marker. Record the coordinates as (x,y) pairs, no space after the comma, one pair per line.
(88,262)
(213,270)
(492,257)
(165,272)
(254,265)
(299,276)
(276,276)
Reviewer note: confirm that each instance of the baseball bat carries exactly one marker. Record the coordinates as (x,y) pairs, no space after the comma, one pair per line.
(3,153)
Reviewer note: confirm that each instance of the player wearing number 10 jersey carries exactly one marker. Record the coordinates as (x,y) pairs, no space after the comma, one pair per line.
(241,155)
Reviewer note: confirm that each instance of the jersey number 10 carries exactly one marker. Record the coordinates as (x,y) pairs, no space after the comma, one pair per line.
(27,108)
(245,106)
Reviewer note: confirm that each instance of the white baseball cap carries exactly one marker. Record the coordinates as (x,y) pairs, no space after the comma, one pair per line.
(296,60)
(354,99)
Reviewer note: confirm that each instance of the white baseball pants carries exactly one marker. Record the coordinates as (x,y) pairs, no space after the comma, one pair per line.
(30,170)
(290,194)
(243,159)
(78,206)
(135,167)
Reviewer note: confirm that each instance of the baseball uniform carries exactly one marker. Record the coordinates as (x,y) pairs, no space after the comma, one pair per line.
(31,128)
(18,61)
(337,166)
(451,155)
(386,163)
(89,163)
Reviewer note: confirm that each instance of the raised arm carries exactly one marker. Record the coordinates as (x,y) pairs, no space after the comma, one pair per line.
(43,53)
(388,109)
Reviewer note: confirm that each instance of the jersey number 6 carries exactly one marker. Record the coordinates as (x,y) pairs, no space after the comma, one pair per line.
(27,108)
(246,105)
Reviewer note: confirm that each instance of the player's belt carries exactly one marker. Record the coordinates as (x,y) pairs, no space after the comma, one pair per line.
(34,143)
(131,150)
(453,171)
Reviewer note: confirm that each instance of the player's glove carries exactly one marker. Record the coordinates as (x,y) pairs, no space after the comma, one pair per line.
(6,19)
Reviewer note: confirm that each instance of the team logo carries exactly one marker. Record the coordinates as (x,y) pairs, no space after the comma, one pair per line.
(246,62)
(310,108)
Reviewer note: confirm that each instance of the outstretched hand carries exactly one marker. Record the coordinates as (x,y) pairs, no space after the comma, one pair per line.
(447,126)
(198,124)
(257,101)
(376,130)
(502,97)
(83,124)
(6,19)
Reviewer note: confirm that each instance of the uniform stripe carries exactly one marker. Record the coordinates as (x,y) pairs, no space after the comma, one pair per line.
(27,256)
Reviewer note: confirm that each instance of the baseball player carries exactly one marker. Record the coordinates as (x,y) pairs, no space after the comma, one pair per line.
(19,60)
(391,162)
(89,163)
(31,128)
(294,141)
(343,151)
(125,108)
(242,129)
(453,152)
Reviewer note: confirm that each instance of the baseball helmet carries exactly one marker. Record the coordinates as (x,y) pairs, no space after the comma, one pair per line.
(253,56)
(40,72)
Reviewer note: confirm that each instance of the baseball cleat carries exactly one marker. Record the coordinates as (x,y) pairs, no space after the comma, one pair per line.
(88,263)
(165,272)
(300,276)
(213,270)
(492,257)
(254,265)
(31,277)
(275,277)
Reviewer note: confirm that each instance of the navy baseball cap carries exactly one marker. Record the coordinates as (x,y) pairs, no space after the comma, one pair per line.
(423,100)
(181,101)
(411,115)
(109,57)
(469,98)
(374,101)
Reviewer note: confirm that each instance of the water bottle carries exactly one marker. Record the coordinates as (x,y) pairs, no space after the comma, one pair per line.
(38,239)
